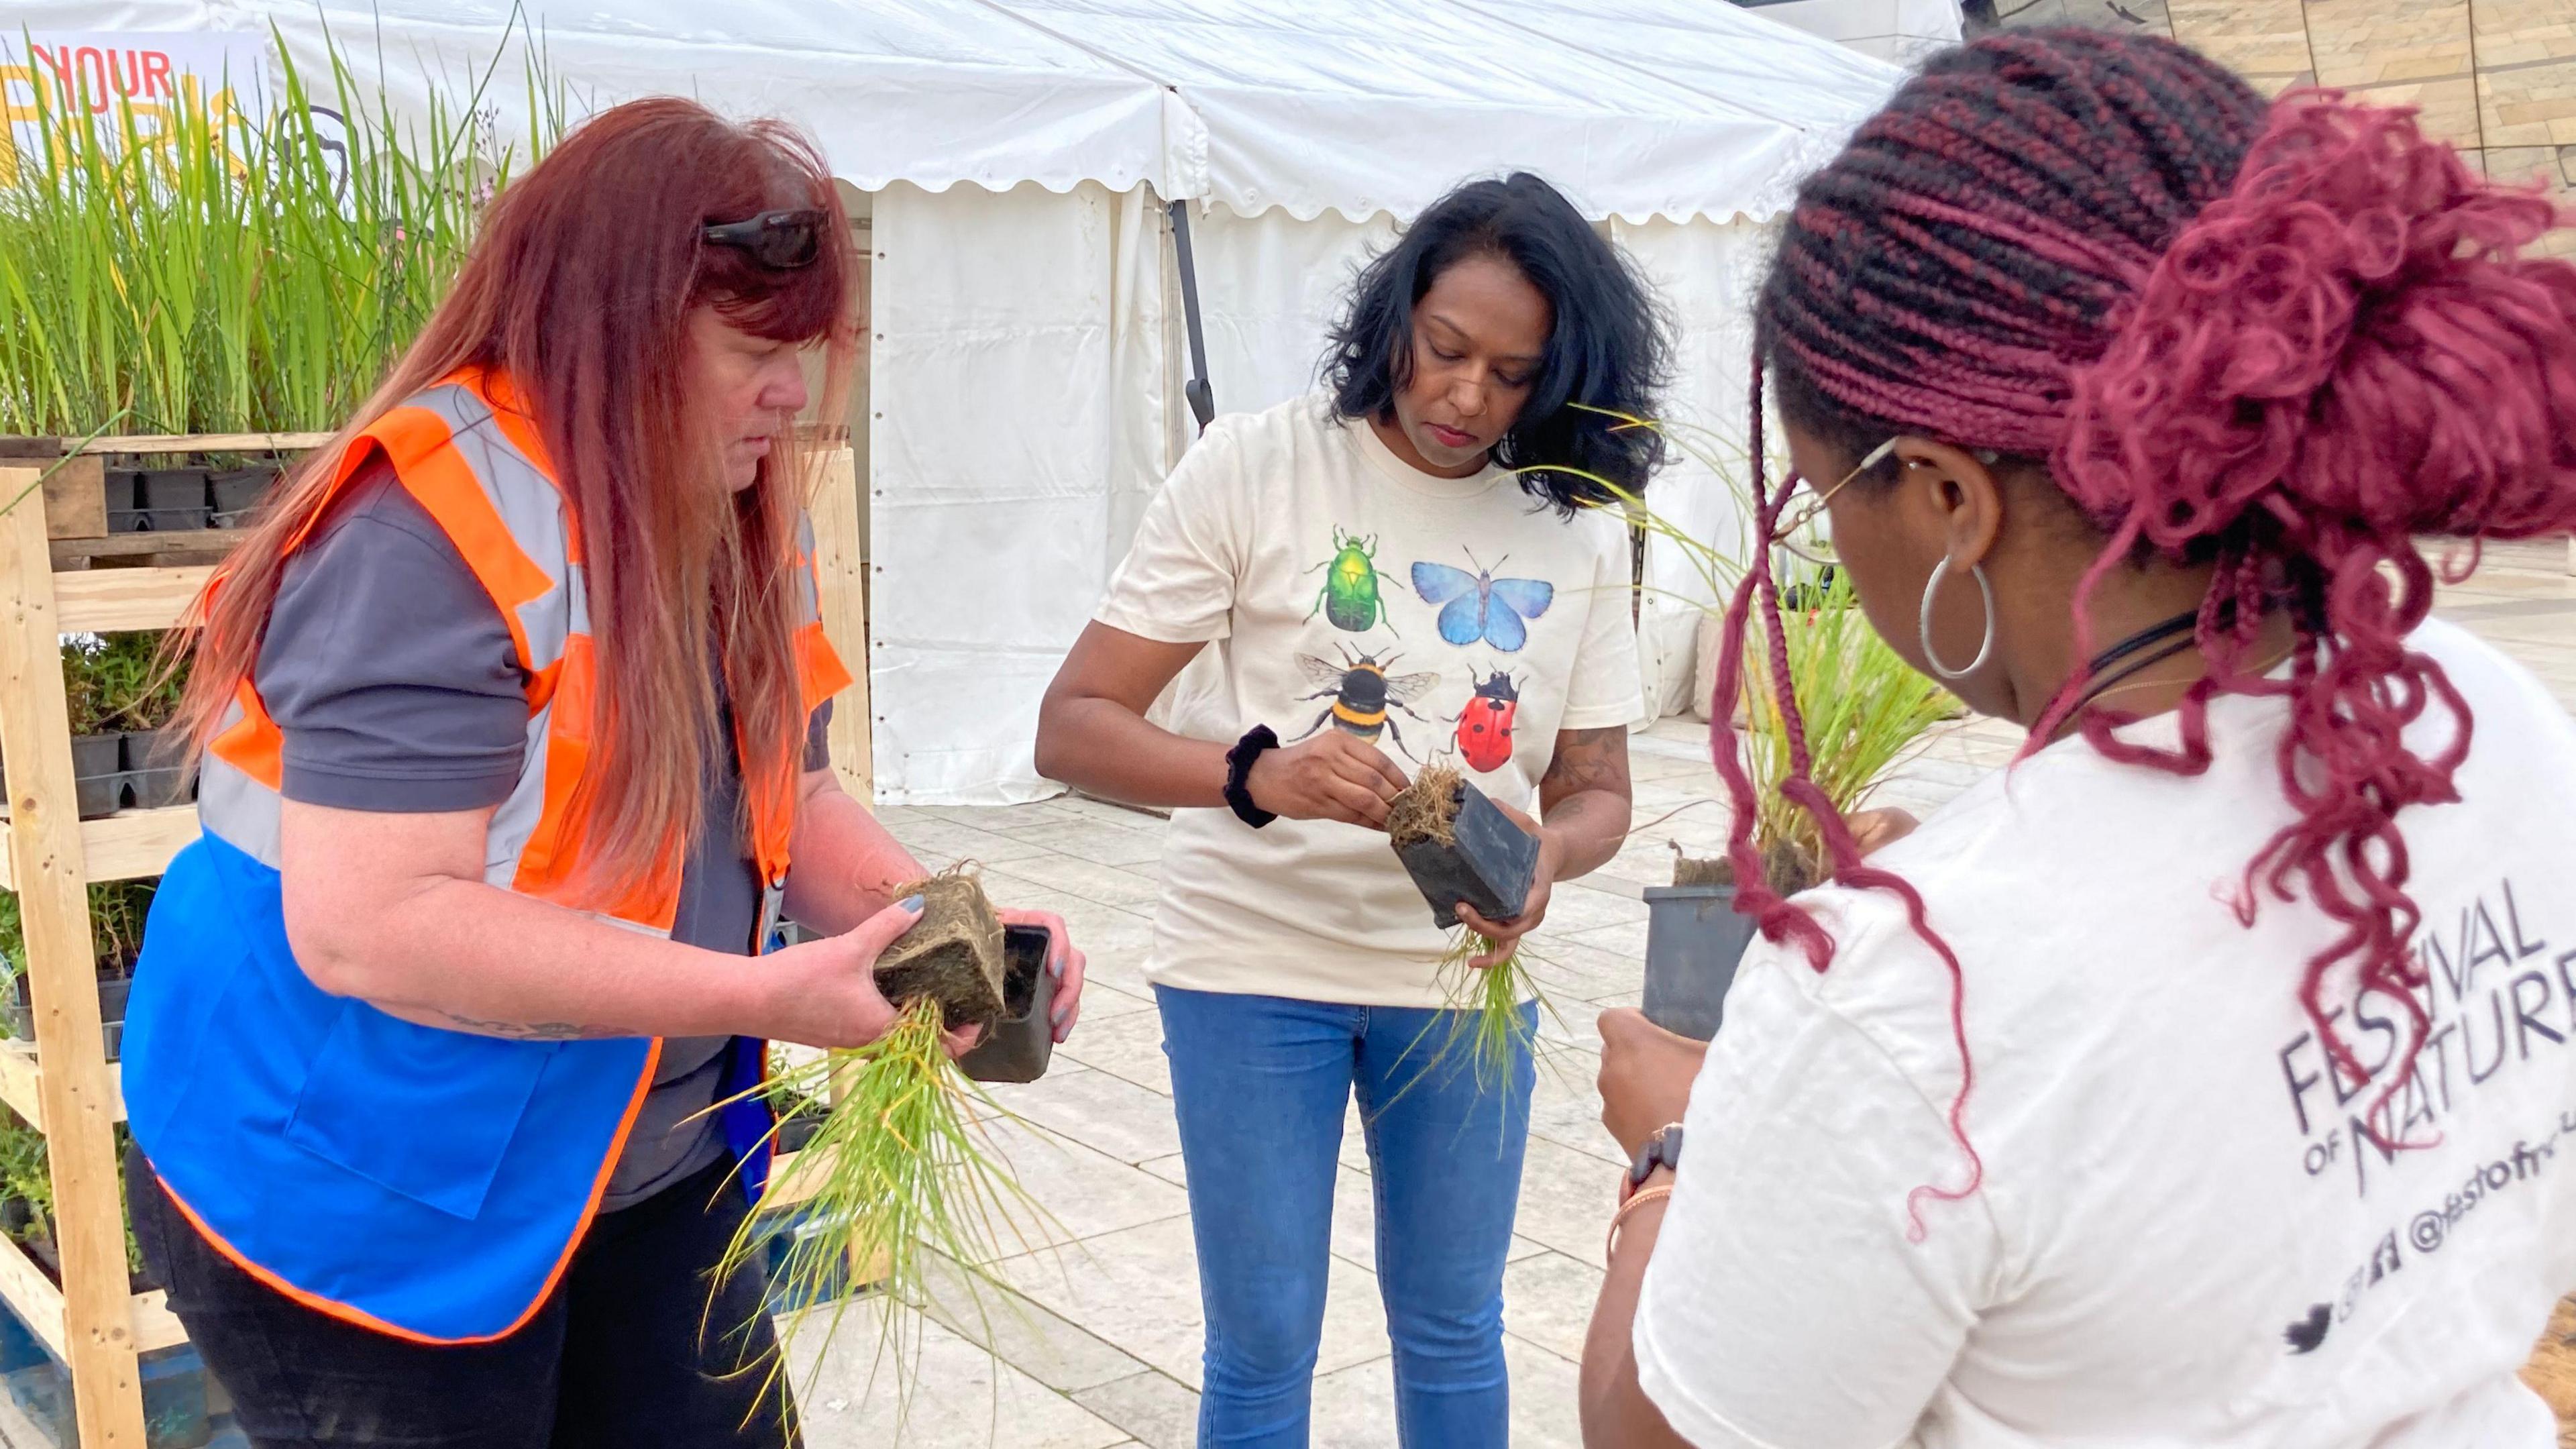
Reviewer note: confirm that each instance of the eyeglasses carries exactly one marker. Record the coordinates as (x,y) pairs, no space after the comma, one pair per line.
(1796,523)
(779,240)
(1790,528)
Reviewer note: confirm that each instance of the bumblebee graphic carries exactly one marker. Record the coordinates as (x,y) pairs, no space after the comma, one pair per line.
(1364,695)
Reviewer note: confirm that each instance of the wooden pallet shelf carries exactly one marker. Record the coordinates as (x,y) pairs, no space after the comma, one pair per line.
(100,600)
(128,845)
(21,1079)
(203,543)
(62,1083)
(205,443)
(39,1303)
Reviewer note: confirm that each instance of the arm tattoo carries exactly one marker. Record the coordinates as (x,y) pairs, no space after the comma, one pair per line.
(537,1030)
(1587,760)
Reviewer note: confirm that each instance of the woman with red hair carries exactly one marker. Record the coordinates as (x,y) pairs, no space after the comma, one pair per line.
(2209,1076)
(512,724)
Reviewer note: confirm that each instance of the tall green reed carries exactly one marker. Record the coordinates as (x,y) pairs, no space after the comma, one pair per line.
(185,267)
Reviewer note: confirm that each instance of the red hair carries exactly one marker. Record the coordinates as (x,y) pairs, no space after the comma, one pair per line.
(578,293)
(2284,341)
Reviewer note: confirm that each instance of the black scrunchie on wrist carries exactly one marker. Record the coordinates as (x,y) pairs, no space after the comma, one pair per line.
(1238,770)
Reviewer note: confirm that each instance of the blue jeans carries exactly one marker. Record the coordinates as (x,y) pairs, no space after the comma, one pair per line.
(1260,1083)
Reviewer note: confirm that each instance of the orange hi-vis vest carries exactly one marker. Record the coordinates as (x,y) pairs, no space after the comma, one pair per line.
(427,1183)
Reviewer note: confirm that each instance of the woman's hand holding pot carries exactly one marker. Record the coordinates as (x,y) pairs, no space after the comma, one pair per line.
(1064,963)
(1873,830)
(1646,1075)
(1646,1071)
(1506,935)
(825,990)
(1334,776)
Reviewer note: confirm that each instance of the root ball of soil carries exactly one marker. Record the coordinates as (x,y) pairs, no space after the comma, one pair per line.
(952,955)
(1427,809)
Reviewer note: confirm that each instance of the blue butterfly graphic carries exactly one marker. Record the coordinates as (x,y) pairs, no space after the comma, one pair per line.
(1479,606)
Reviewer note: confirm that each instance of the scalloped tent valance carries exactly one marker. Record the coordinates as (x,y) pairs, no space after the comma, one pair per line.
(1639,109)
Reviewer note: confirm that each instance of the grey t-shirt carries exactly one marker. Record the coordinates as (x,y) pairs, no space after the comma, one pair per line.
(393,678)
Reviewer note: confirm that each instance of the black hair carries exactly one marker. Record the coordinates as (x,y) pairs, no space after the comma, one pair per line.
(1608,347)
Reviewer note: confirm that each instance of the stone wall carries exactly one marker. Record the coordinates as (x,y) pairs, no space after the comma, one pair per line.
(2497,78)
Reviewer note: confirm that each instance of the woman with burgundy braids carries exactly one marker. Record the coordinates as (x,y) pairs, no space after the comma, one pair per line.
(2209,1076)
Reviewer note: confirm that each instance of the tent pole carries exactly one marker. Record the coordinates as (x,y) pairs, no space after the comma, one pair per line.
(1202,397)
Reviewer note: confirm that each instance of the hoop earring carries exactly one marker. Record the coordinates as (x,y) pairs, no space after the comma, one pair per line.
(1923,620)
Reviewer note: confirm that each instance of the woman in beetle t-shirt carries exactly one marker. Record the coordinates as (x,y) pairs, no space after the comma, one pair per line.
(1381,591)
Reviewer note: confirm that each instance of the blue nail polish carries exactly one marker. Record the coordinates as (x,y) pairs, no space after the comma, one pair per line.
(911,902)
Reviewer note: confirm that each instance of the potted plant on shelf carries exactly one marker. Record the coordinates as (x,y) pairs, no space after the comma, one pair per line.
(27,1200)
(138,694)
(26,1190)
(98,750)
(262,284)
(117,910)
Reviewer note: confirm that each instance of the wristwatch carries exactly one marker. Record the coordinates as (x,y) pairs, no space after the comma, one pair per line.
(1663,1149)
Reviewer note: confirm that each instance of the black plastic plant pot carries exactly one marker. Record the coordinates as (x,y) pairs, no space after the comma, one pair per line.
(1694,939)
(112,1036)
(1488,865)
(1017,1047)
(98,774)
(159,779)
(175,499)
(238,493)
(112,994)
(796,1130)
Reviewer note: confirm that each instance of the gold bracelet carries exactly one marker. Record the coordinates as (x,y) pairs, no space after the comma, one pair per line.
(1636,1199)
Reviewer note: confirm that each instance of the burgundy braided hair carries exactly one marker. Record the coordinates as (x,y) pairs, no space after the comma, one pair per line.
(2284,340)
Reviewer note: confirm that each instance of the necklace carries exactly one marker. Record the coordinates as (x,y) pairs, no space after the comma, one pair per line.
(2109,681)
(2144,649)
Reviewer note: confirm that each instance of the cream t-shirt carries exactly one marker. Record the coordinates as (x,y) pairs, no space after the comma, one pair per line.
(2183,1242)
(1314,561)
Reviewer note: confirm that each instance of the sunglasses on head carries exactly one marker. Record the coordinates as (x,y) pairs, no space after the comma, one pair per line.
(779,240)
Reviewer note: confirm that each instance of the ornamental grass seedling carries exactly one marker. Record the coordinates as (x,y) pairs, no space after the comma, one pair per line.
(1482,1014)
(1865,708)
(901,1171)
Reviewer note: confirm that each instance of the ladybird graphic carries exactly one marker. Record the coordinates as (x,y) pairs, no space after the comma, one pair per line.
(1485,727)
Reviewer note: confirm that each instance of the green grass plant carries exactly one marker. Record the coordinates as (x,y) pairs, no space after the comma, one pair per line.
(906,1186)
(121,683)
(191,269)
(1865,708)
(1484,1009)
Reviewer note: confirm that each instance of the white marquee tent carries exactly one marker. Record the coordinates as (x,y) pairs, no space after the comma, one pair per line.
(1026,361)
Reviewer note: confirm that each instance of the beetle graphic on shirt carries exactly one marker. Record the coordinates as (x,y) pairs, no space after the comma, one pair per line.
(1350,597)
